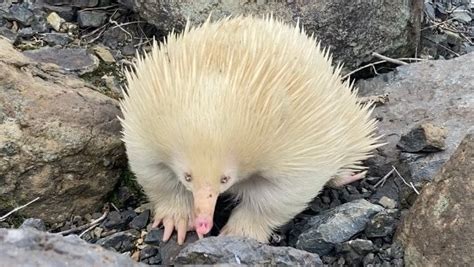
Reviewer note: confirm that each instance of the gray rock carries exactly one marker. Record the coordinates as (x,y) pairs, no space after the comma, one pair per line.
(238,250)
(150,255)
(355,250)
(335,226)
(438,229)
(91,18)
(20,13)
(70,59)
(462,16)
(140,221)
(382,224)
(28,247)
(66,131)
(55,38)
(422,92)
(67,12)
(8,35)
(120,242)
(75,3)
(423,138)
(37,224)
(387,202)
(353,29)
(170,249)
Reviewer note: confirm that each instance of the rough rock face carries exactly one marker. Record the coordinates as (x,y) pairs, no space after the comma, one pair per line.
(353,29)
(438,230)
(436,92)
(28,247)
(237,250)
(59,140)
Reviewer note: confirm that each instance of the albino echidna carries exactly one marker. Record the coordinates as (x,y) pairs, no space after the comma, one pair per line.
(248,106)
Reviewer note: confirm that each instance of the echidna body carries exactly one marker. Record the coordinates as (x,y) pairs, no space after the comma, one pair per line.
(245,105)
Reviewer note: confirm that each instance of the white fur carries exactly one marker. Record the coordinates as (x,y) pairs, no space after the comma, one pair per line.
(250,98)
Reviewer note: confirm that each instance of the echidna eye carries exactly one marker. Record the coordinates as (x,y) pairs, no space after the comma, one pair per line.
(224,179)
(188,177)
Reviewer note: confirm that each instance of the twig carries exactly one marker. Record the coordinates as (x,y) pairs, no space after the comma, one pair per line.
(88,229)
(388,59)
(115,207)
(379,62)
(17,209)
(408,184)
(382,181)
(85,226)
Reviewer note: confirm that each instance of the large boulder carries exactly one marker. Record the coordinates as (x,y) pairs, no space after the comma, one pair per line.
(438,230)
(353,29)
(59,140)
(28,247)
(436,93)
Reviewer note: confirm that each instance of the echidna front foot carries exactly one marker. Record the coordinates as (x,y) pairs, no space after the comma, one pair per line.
(347,179)
(241,225)
(181,224)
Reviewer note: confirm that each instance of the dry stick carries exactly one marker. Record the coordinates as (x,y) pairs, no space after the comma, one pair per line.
(409,184)
(388,59)
(382,181)
(115,207)
(379,62)
(82,227)
(17,209)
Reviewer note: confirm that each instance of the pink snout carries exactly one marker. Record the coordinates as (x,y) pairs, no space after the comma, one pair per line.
(203,224)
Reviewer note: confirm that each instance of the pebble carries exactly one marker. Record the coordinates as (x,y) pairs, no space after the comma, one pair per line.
(148,252)
(425,137)
(387,202)
(104,54)
(154,237)
(382,224)
(113,220)
(120,242)
(91,18)
(140,221)
(20,13)
(55,21)
(128,215)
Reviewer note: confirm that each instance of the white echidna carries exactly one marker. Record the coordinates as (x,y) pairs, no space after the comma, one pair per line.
(249,106)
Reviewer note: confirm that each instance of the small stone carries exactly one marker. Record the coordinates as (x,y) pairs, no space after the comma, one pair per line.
(103,53)
(55,38)
(360,246)
(128,215)
(120,242)
(128,50)
(382,224)
(37,224)
(91,18)
(154,237)
(387,202)
(112,83)
(368,259)
(67,12)
(98,232)
(148,252)
(20,13)
(55,21)
(26,32)
(114,220)
(424,138)
(462,16)
(140,221)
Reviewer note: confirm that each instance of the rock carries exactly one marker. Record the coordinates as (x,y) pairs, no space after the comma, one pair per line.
(324,231)
(170,249)
(55,21)
(117,220)
(75,3)
(352,29)
(8,35)
(387,202)
(120,242)
(382,224)
(140,221)
(438,229)
(462,16)
(238,250)
(28,247)
(55,134)
(355,250)
(91,18)
(37,224)
(67,12)
(422,92)
(104,54)
(20,13)
(70,59)
(423,138)
(54,38)
(150,255)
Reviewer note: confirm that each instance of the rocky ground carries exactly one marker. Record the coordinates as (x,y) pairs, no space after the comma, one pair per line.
(354,225)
